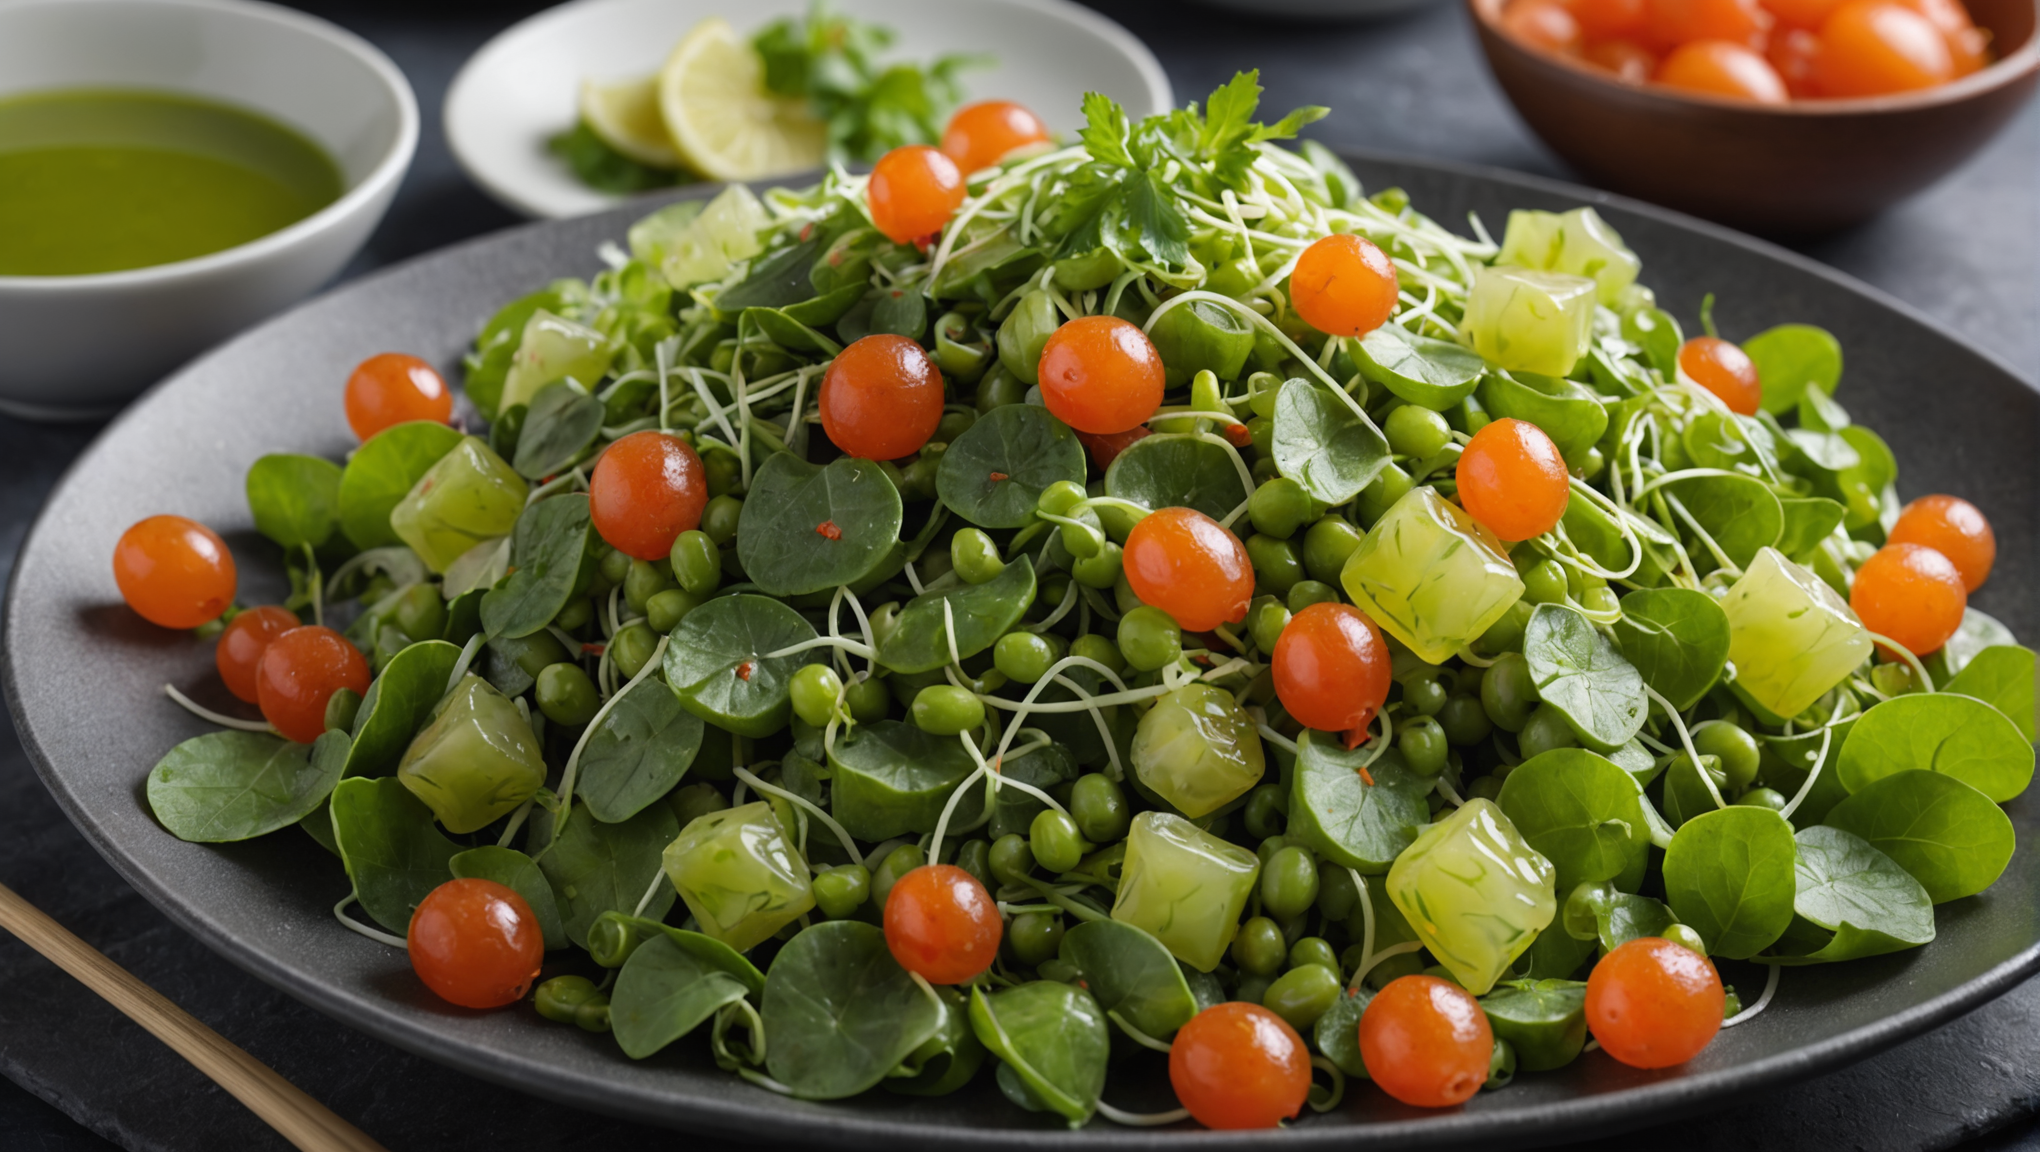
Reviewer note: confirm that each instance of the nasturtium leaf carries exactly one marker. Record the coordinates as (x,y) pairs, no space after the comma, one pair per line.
(1594,532)
(1629,917)
(720,665)
(1174,469)
(393,852)
(1678,640)
(807,527)
(1978,631)
(1742,515)
(2002,677)
(1729,875)
(946,1061)
(664,992)
(993,474)
(1433,373)
(233,785)
(1808,521)
(517,872)
(1567,411)
(637,752)
(1349,821)
(1580,811)
(1322,444)
(1857,896)
(295,499)
(1952,839)
(1338,1031)
(978,614)
(889,778)
(841,1012)
(547,550)
(1939,732)
(382,472)
(782,328)
(562,422)
(595,867)
(1657,333)
(1555,955)
(1578,671)
(1054,1037)
(397,704)
(1791,358)
(1721,440)
(1545,1021)
(1131,973)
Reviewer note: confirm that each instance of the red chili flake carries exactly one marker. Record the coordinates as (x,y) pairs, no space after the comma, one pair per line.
(1238,435)
(828,530)
(998,476)
(1367,776)
(744,673)
(594,649)
(807,230)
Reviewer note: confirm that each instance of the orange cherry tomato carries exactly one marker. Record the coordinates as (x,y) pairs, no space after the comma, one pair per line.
(1426,1042)
(1608,19)
(1188,565)
(1100,374)
(1806,15)
(980,135)
(1875,47)
(393,388)
(1513,480)
(1795,54)
(174,572)
(299,672)
(1652,1003)
(1911,594)
(475,943)
(1545,24)
(912,193)
(1968,45)
(247,637)
(1953,527)
(647,488)
(1331,668)
(1237,1065)
(1343,285)
(1722,68)
(881,398)
(941,923)
(1725,370)
(1670,23)
(1631,62)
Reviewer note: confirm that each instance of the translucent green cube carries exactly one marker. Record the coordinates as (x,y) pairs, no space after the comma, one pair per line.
(1185,887)
(470,496)
(1475,892)
(1431,575)
(1578,243)
(739,874)
(1524,320)
(552,349)
(1198,749)
(1790,636)
(476,760)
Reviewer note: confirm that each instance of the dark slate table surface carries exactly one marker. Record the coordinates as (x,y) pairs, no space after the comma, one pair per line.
(79,1076)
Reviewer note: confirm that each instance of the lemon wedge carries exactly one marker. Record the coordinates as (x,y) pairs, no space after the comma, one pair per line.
(722,121)
(626,117)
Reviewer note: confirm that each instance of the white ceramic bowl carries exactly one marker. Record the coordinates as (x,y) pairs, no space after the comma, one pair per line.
(521,89)
(80,346)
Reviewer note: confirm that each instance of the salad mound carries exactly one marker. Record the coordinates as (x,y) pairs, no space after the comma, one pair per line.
(1176,601)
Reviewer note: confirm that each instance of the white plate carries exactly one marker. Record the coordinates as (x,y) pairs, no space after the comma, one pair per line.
(521,88)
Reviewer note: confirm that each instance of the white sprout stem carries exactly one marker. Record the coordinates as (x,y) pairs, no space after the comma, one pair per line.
(956,794)
(1661,832)
(468,652)
(516,821)
(1142,1119)
(1402,949)
(1452,796)
(651,890)
(1010,782)
(375,934)
(574,758)
(1918,669)
(318,583)
(1136,1035)
(1366,920)
(1269,327)
(847,645)
(207,714)
(1686,741)
(829,822)
(1827,736)
(1763,1001)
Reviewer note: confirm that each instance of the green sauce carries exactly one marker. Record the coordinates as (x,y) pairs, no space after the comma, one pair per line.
(98,180)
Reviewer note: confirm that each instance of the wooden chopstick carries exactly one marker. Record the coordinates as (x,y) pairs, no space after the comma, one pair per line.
(296,1117)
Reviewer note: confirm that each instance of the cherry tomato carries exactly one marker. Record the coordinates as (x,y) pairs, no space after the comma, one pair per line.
(1653,1004)
(1343,285)
(174,572)
(1513,480)
(1912,594)
(1874,47)
(1725,370)
(1105,449)
(981,134)
(1968,45)
(1545,24)
(1100,374)
(1188,565)
(392,388)
(1670,23)
(1426,1042)
(1795,53)
(1331,667)
(881,398)
(1238,1065)
(647,489)
(247,637)
(1805,15)
(1631,62)
(475,943)
(912,193)
(1722,68)
(299,672)
(941,923)
(1608,19)
(1953,527)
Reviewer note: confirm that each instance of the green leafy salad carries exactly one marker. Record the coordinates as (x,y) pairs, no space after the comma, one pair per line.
(1183,611)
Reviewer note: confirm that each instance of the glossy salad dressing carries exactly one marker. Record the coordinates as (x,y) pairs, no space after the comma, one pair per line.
(103,180)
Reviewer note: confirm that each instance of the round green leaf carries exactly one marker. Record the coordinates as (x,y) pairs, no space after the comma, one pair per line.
(841,1012)
(1131,973)
(596,868)
(1939,732)
(993,474)
(1322,444)
(1580,811)
(1678,640)
(1952,839)
(1729,875)
(718,662)
(1054,1037)
(807,527)
(637,753)
(1347,820)
(295,499)
(1433,373)
(1859,896)
(382,472)
(233,785)
(1170,470)
(981,613)
(1579,672)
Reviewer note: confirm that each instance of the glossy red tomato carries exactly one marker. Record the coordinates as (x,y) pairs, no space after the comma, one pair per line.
(1513,480)
(1545,24)
(174,572)
(1968,45)
(1343,284)
(1723,68)
(298,674)
(941,923)
(1912,594)
(1652,1003)
(392,388)
(1238,1065)
(1670,23)
(1100,374)
(1608,19)
(1426,1042)
(475,943)
(913,192)
(1875,47)
(1331,668)
(881,398)
(647,489)
(1725,370)
(981,134)
(1188,565)
(1805,15)
(1953,527)
(247,636)
(1795,53)
(1631,62)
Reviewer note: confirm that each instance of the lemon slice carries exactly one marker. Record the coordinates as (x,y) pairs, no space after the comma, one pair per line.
(626,117)
(723,122)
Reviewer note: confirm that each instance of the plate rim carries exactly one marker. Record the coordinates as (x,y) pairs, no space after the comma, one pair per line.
(1577,1118)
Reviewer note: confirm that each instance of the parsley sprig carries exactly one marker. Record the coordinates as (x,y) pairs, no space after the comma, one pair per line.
(831,61)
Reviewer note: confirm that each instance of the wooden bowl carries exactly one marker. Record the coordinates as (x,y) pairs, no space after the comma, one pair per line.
(1808,167)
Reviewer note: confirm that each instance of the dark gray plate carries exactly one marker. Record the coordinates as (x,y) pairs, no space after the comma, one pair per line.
(83,677)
